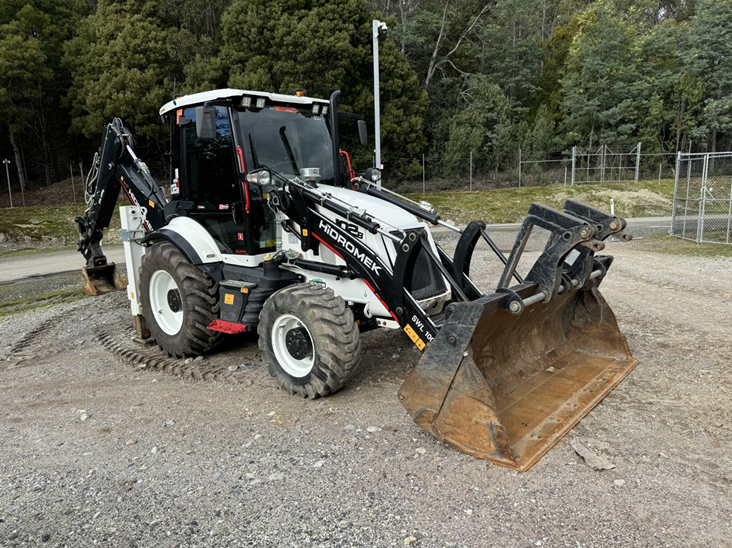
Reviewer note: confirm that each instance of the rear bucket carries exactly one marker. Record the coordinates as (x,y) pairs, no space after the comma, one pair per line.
(101,279)
(507,387)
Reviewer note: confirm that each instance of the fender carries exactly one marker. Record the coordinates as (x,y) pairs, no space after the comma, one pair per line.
(190,238)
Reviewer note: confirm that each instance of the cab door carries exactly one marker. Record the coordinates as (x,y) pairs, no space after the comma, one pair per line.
(210,178)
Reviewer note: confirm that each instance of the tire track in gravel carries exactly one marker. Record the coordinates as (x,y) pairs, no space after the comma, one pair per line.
(18,357)
(121,346)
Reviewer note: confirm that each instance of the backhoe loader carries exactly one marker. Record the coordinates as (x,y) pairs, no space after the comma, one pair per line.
(265,230)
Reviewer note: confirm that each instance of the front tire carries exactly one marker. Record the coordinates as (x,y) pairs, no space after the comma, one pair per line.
(178,302)
(309,340)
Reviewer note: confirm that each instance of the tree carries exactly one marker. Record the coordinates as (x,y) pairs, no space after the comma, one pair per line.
(708,56)
(482,125)
(603,90)
(33,33)
(23,73)
(320,46)
(121,67)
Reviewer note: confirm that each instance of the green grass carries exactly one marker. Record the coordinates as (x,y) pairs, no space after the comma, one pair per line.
(52,226)
(642,199)
(663,243)
(64,295)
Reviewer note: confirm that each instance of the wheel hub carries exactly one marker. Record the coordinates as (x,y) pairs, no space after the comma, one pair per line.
(165,302)
(174,300)
(293,346)
(298,343)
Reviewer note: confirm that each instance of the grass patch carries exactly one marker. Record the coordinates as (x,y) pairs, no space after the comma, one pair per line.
(23,251)
(642,199)
(54,226)
(663,243)
(50,225)
(65,295)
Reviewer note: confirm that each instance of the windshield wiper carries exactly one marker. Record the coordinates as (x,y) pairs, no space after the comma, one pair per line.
(254,152)
(288,149)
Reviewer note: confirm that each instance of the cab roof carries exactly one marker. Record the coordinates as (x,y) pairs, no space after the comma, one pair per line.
(204,96)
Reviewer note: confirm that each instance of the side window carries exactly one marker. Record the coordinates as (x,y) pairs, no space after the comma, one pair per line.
(209,163)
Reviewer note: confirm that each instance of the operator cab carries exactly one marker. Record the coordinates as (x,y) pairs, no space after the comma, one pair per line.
(217,137)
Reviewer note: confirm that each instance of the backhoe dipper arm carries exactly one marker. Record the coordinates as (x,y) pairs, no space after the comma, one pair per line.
(115,166)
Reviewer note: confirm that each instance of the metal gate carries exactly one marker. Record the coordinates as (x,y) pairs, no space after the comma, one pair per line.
(703,198)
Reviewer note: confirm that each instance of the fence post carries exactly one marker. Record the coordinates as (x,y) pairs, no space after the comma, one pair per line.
(73,187)
(565,175)
(519,167)
(659,172)
(574,156)
(602,163)
(729,213)
(702,201)
(637,162)
(423,187)
(471,171)
(676,195)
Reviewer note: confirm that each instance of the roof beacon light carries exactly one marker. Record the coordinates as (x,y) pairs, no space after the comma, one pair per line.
(299,93)
(260,102)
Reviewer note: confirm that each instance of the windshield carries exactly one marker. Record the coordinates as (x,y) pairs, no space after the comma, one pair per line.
(286,140)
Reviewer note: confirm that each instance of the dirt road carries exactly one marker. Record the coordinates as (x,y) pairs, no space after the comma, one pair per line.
(109,444)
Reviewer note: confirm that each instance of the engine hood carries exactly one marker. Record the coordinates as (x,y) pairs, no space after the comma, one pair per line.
(379,209)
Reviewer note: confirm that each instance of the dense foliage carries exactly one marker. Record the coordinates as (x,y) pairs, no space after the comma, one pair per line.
(459,78)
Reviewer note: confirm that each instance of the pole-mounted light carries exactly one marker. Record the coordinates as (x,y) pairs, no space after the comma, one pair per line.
(379,28)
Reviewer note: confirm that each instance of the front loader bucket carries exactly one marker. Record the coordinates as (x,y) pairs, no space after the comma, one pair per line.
(99,280)
(507,387)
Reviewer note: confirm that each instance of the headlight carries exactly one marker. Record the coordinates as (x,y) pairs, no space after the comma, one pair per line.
(259,177)
(260,102)
(375,175)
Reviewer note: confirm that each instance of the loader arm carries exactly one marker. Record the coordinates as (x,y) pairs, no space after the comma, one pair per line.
(503,375)
(115,167)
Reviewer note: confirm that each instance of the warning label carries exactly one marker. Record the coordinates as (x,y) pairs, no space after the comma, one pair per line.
(415,338)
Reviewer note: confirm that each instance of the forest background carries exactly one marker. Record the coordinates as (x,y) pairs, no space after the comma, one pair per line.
(460,79)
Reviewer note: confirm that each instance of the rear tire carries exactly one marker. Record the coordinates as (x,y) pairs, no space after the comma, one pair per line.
(178,302)
(309,340)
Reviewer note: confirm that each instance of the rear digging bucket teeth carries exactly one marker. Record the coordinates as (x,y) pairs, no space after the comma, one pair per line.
(99,280)
(507,387)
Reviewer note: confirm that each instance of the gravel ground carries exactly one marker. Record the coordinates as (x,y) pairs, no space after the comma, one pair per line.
(110,444)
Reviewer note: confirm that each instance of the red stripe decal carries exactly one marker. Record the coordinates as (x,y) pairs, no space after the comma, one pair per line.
(326,245)
(381,300)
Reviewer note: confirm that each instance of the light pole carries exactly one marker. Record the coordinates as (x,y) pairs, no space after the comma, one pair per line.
(7,174)
(379,27)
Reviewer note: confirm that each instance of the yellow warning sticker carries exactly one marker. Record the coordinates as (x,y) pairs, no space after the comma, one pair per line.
(229,298)
(304,232)
(415,338)
(151,203)
(245,290)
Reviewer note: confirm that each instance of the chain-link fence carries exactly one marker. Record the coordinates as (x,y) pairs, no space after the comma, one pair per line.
(703,198)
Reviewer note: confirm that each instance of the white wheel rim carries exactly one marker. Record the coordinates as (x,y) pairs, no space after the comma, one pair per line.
(161,283)
(288,362)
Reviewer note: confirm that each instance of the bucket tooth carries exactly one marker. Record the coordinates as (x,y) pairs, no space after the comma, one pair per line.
(99,280)
(507,387)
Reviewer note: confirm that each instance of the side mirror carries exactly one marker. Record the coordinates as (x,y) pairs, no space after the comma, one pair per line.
(206,122)
(362,131)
